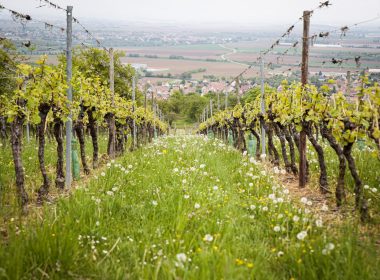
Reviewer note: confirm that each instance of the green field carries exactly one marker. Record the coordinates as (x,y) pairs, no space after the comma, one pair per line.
(185,208)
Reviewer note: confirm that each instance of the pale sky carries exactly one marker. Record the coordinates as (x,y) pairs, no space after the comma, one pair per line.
(271,12)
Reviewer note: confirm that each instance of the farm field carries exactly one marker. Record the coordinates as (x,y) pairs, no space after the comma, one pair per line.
(199,56)
(191,208)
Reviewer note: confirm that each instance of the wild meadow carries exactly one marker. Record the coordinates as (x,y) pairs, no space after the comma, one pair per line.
(186,207)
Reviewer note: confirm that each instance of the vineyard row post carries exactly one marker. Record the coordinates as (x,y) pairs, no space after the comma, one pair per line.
(133,110)
(238,90)
(111,151)
(226,100)
(218,93)
(263,143)
(304,78)
(69,66)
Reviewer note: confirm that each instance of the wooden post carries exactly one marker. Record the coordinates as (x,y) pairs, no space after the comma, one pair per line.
(238,90)
(133,110)
(226,100)
(145,93)
(304,79)
(69,73)
(111,124)
(348,88)
(262,99)
(218,101)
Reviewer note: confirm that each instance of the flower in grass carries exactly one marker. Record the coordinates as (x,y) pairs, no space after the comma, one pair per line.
(175,170)
(215,188)
(265,208)
(197,206)
(208,238)
(366,187)
(186,196)
(97,223)
(110,193)
(296,219)
(328,248)
(325,208)
(280,254)
(302,235)
(252,207)
(319,223)
(304,200)
(103,174)
(154,203)
(277,228)
(202,166)
(263,156)
(130,166)
(374,190)
(181,257)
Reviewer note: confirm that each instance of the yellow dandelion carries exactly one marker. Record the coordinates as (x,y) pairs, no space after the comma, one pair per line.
(239,262)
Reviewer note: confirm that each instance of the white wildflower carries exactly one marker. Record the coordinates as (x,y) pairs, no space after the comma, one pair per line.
(325,208)
(302,235)
(181,257)
(319,223)
(197,206)
(208,238)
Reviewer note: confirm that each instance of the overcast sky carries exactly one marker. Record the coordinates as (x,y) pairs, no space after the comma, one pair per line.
(271,12)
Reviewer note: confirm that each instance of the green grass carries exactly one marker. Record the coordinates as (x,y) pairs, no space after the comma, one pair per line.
(183,208)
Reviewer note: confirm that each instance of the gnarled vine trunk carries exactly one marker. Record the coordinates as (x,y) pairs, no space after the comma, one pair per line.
(284,152)
(111,134)
(289,139)
(44,189)
(3,130)
(340,193)
(94,137)
(271,148)
(16,143)
(360,201)
(79,130)
(258,143)
(58,125)
(323,183)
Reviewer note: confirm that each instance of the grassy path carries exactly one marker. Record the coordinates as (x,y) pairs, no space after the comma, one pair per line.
(184,208)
